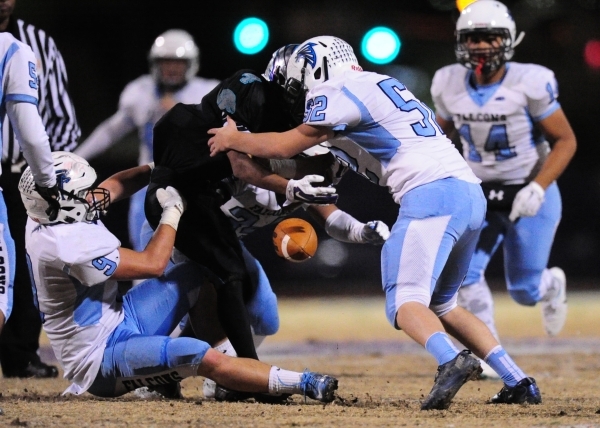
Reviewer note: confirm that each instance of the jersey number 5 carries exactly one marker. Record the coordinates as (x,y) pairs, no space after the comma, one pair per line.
(427,126)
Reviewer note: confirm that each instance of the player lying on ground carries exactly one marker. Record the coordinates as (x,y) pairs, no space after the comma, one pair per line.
(107,345)
(376,124)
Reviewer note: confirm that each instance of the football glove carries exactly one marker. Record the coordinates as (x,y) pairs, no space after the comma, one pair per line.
(375,232)
(52,196)
(173,206)
(303,191)
(527,201)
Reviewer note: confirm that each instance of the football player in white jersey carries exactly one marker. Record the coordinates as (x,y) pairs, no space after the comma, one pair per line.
(174,61)
(506,114)
(380,130)
(19,102)
(110,346)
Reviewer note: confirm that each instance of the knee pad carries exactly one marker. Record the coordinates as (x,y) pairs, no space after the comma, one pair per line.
(443,308)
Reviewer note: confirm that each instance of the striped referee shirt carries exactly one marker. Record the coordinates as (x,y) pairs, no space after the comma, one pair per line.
(55,105)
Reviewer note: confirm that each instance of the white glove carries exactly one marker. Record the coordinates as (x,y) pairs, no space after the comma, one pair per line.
(173,206)
(302,191)
(375,232)
(527,201)
(343,227)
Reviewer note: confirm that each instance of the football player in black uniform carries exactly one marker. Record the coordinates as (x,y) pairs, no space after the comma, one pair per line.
(182,160)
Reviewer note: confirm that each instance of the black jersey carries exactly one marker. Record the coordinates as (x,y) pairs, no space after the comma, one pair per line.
(181,138)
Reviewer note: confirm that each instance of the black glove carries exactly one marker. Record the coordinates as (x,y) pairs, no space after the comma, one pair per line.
(52,196)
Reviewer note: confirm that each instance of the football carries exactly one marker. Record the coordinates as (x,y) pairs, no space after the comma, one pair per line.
(295,240)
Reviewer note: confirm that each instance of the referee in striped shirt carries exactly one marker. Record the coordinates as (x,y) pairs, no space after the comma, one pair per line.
(19,341)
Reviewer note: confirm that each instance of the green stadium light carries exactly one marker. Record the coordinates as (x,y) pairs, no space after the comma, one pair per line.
(381,45)
(251,36)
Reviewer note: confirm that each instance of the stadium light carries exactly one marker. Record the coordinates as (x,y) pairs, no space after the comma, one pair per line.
(380,45)
(251,36)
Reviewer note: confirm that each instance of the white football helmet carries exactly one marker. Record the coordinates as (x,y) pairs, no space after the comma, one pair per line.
(175,44)
(486,18)
(318,60)
(75,178)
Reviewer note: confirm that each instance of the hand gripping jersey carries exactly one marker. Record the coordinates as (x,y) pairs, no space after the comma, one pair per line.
(140,107)
(383,132)
(180,137)
(496,122)
(71,266)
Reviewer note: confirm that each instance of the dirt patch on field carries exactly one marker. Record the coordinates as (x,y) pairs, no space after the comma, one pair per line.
(375,390)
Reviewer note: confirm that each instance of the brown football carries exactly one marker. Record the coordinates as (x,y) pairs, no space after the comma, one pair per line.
(295,240)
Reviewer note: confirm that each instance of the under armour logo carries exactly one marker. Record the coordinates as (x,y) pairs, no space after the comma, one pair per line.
(496,195)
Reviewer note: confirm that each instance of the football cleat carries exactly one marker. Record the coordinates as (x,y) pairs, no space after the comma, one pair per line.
(318,387)
(229,395)
(554,310)
(450,377)
(525,391)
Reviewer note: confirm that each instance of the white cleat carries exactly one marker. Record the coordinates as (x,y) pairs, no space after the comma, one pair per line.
(554,310)
(487,373)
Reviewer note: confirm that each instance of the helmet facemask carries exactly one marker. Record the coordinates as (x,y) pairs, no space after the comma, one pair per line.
(488,60)
(294,92)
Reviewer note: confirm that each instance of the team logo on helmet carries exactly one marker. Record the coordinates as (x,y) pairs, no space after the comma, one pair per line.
(308,53)
(62,178)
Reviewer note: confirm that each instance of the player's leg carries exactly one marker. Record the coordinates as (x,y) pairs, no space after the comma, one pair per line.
(19,341)
(414,261)
(7,269)
(526,253)
(205,236)
(133,358)
(475,294)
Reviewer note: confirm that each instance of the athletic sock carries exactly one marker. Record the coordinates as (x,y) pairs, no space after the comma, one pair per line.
(226,348)
(504,365)
(441,347)
(284,381)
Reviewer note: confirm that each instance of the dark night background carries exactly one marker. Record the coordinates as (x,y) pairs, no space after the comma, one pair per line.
(105,43)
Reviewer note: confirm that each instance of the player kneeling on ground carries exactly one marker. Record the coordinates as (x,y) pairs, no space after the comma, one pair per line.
(109,346)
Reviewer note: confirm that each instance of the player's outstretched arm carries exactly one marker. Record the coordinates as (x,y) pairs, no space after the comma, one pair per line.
(152,262)
(123,184)
(270,145)
(301,191)
(343,227)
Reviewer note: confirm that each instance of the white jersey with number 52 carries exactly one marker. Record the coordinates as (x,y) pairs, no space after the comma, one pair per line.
(383,132)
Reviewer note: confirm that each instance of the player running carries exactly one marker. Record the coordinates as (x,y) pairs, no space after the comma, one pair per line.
(381,131)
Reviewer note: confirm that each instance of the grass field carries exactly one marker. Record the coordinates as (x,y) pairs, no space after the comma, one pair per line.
(383,376)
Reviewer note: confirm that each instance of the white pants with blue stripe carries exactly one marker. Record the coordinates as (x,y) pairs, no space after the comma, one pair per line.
(139,351)
(427,255)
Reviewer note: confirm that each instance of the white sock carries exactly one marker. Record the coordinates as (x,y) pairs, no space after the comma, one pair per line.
(477,299)
(284,381)
(226,348)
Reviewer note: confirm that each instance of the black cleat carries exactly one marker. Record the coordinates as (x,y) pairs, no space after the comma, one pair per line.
(36,370)
(525,391)
(450,377)
(229,395)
